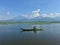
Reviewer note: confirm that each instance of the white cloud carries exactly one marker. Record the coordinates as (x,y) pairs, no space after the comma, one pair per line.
(6,16)
(33,14)
(36,10)
(51,15)
(36,13)
(8,13)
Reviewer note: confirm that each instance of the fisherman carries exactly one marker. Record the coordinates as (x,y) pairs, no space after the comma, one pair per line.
(34,28)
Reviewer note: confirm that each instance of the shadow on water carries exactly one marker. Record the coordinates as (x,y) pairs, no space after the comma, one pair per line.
(34,29)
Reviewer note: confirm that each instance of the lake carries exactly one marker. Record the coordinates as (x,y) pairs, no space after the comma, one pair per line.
(11,34)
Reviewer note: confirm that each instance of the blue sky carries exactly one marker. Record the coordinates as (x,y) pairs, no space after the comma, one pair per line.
(13,8)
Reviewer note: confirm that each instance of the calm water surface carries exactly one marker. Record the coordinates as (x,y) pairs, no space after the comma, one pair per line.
(11,35)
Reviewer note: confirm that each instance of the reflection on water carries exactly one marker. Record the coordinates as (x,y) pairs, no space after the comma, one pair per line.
(11,34)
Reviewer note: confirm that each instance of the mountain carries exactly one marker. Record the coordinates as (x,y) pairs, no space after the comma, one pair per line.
(23,19)
(17,19)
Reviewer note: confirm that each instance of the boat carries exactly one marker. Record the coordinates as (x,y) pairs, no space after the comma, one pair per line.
(33,29)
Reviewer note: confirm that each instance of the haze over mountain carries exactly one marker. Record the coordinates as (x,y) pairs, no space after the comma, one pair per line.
(35,16)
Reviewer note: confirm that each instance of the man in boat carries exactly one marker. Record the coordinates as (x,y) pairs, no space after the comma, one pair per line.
(35,28)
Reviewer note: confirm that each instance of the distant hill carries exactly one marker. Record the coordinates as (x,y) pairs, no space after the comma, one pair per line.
(18,19)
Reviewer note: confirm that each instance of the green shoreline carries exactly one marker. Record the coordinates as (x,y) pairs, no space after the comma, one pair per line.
(27,22)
